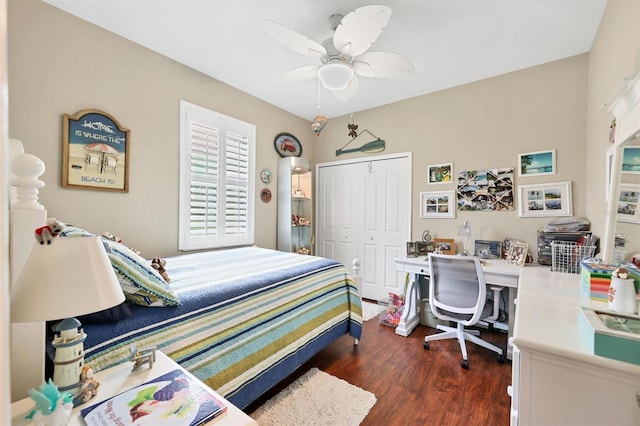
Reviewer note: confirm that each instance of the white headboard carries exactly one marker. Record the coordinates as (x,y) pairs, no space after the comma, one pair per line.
(25,215)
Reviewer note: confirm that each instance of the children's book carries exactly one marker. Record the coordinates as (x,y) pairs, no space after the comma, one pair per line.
(171,399)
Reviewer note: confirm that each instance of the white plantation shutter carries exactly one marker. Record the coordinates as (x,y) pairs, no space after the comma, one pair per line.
(216,171)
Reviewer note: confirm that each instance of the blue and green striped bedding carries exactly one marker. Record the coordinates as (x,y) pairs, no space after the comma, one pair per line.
(248,317)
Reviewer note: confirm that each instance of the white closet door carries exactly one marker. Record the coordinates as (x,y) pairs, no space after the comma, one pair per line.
(386,226)
(364,212)
(337,197)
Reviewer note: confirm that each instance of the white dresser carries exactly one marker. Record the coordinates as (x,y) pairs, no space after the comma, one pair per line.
(556,378)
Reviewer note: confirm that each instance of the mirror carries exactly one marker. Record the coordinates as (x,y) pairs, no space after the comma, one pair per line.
(623,212)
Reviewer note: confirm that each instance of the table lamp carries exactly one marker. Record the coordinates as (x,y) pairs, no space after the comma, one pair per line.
(464,230)
(71,276)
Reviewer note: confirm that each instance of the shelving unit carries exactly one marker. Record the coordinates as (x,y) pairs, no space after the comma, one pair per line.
(295,206)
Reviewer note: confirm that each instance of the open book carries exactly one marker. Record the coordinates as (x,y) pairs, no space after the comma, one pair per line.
(171,399)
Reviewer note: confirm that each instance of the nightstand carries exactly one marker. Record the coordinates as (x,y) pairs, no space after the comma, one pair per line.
(119,379)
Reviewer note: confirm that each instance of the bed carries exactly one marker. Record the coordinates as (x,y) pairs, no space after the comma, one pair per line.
(244,320)
(248,317)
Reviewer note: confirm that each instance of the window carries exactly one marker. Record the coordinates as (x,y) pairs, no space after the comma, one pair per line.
(217,162)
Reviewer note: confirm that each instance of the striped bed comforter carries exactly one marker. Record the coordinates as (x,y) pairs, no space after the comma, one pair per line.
(248,318)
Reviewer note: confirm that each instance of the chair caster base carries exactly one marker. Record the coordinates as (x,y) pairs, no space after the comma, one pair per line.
(465,364)
(426,345)
(501,359)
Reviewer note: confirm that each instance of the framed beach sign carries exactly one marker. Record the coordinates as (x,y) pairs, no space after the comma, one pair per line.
(437,205)
(440,173)
(545,199)
(537,163)
(95,152)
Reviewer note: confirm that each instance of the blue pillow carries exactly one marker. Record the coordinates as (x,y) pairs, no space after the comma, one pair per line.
(140,283)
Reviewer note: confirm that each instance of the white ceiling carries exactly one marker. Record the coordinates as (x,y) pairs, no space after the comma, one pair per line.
(449,42)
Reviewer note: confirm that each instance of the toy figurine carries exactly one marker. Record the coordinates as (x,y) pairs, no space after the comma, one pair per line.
(52,408)
(142,357)
(88,386)
(53,228)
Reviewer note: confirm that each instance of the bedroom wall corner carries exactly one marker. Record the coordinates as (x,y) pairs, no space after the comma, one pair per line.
(89,67)
(5,376)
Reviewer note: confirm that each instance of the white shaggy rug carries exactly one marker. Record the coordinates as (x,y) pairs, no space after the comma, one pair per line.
(316,398)
(369,310)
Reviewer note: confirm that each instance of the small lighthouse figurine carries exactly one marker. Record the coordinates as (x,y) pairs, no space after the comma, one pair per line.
(69,358)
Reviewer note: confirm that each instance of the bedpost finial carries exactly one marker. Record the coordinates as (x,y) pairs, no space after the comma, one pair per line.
(26,169)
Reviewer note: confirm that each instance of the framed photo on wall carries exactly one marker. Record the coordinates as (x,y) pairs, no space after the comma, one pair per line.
(440,173)
(545,199)
(437,205)
(537,163)
(629,203)
(445,245)
(631,160)
(95,152)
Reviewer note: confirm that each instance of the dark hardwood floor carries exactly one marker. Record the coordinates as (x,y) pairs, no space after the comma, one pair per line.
(414,386)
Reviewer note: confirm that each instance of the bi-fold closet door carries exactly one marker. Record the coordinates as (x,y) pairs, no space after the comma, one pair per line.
(363,210)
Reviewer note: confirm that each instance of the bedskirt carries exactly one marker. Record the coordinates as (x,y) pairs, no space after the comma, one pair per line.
(248,318)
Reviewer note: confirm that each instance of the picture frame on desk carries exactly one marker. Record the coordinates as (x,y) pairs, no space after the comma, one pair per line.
(517,254)
(445,245)
(488,249)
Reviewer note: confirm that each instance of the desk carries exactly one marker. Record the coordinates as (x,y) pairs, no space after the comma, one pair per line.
(556,378)
(496,272)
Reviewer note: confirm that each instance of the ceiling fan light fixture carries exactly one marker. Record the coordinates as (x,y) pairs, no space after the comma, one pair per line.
(335,75)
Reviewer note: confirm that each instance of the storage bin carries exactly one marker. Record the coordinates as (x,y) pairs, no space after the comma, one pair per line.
(566,256)
(390,311)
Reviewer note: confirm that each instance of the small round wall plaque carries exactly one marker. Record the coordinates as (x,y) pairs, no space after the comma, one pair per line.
(265,195)
(265,176)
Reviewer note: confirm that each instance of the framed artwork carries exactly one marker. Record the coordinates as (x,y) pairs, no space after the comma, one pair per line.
(95,152)
(517,254)
(437,205)
(488,249)
(440,173)
(445,245)
(486,190)
(631,160)
(629,203)
(287,145)
(545,199)
(537,163)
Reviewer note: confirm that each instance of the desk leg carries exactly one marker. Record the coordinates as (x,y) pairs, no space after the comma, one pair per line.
(410,317)
(513,293)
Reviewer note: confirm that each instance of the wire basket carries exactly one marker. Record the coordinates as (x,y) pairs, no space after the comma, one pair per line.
(567,255)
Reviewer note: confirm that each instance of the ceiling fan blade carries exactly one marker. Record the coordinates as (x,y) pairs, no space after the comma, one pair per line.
(302,73)
(381,65)
(360,28)
(347,93)
(293,40)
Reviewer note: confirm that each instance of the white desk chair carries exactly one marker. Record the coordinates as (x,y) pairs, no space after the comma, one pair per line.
(457,292)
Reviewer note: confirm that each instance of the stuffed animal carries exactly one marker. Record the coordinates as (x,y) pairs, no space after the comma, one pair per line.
(158,265)
(110,236)
(52,229)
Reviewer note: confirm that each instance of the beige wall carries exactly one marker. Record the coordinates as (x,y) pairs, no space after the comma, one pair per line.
(484,125)
(60,64)
(68,65)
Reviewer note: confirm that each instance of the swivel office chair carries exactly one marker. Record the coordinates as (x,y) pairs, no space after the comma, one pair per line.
(457,292)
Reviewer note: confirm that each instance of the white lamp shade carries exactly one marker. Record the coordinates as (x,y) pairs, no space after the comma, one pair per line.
(69,277)
(335,75)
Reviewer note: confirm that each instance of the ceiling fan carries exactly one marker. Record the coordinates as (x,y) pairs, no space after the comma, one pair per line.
(344,57)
